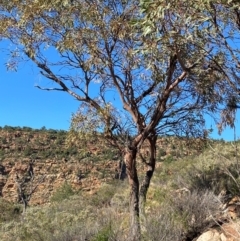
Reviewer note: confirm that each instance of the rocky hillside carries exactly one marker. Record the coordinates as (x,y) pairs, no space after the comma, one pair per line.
(35,163)
(194,193)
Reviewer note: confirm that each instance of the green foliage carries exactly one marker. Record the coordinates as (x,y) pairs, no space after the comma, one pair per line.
(170,158)
(215,178)
(104,234)
(4,140)
(178,210)
(43,128)
(62,193)
(28,129)
(2,152)
(8,128)
(9,211)
(36,143)
(109,154)
(183,42)
(103,196)
(160,154)
(161,195)
(28,151)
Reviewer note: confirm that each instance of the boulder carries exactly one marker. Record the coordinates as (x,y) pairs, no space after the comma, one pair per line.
(210,235)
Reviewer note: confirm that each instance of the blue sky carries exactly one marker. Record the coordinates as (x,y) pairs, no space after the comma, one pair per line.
(22,104)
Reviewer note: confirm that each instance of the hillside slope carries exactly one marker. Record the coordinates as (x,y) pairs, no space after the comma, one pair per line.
(53,162)
(75,196)
(41,162)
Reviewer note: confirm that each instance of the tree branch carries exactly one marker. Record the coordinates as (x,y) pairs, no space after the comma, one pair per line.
(48,89)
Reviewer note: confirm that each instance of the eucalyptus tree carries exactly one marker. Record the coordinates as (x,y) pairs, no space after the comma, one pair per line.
(138,73)
(215,24)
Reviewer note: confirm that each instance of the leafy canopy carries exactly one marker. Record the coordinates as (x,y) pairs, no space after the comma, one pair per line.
(167,62)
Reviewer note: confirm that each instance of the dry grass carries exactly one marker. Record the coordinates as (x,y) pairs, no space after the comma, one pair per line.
(182,202)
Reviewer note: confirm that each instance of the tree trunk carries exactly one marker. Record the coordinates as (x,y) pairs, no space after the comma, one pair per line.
(122,170)
(130,160)
(147,179)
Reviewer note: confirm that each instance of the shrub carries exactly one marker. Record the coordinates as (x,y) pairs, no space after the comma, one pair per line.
(64,192)
(169,159)
(9,211)
(212,177)
(162,225)
(28,151)
(182,217)
(104,234)
(196,210)
(103,196)
(161,153)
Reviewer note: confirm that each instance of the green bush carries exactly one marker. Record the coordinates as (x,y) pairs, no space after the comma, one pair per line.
(169,159)
(28,151)
(9,211)
(104,234)
(103,196)
(64,192)
(161,153)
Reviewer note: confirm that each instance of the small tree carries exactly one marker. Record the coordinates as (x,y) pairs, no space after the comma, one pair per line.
(25,188)
(138,73)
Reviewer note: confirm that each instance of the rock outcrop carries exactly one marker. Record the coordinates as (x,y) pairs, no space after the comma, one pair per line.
(36,163)
(49,175)
(227,227)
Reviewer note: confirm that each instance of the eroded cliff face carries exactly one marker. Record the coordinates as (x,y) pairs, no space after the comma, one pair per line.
(48,175)
(34,164)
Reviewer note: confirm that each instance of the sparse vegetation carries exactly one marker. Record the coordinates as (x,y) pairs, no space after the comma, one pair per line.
(9,211)
(183,199)
(62,193)
(139,69)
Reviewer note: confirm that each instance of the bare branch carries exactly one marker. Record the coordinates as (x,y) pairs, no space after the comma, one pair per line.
(48,89)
